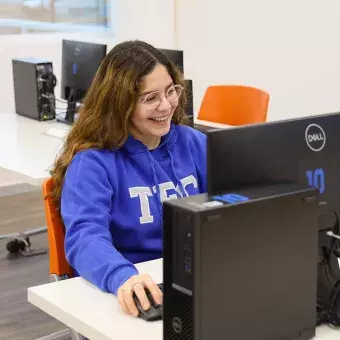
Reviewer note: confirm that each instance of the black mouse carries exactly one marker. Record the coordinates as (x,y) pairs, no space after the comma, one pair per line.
(155,311)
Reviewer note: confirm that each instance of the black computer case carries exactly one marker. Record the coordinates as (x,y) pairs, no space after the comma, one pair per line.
(32,98)
(242,265)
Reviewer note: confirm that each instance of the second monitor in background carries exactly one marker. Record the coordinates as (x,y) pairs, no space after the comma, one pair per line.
(176,56)
(190,103)
(80,62)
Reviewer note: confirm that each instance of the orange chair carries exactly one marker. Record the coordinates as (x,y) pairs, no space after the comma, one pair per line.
(234,105)
(59,267)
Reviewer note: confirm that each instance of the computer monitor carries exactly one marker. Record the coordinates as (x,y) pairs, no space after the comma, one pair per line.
(80,62)
(304,150)
(190,102)
(176,56)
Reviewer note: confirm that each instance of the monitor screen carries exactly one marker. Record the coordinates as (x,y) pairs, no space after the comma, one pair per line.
(304,150)
(80,62)
(176,57)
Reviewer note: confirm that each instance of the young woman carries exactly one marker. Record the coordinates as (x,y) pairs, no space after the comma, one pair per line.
(128,152)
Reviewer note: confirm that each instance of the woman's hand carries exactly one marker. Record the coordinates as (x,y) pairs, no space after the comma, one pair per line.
(137,284)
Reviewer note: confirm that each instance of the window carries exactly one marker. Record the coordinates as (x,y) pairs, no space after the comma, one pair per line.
(21,16)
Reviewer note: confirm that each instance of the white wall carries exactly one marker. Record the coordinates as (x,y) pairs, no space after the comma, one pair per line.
(289,48)
(150,20)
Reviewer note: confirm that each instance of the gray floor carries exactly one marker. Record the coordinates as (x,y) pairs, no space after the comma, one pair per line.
(21,209)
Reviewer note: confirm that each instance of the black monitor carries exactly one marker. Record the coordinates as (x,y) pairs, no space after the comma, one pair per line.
(190,103)
(304,150)
(80,62)
(176,56)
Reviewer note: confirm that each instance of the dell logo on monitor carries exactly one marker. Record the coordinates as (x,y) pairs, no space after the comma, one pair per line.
(315,137)
(77,49)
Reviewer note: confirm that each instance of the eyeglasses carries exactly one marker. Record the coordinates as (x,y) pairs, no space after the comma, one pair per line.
(153,100)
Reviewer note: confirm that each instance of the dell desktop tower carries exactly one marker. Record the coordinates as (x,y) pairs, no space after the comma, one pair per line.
(34,84)
(241,265)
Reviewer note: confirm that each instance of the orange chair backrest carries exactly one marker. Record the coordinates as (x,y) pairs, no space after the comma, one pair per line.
(56,234)
(234,105)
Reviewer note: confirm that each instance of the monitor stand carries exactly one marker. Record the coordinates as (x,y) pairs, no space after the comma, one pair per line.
(71,108)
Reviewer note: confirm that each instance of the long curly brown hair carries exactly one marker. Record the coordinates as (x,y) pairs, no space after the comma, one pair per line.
(103,119)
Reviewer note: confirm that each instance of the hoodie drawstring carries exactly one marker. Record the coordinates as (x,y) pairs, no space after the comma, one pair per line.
(174,172)
(155,179)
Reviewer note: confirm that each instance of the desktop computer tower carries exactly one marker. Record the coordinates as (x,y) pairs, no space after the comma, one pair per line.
(34,84)
(241,265)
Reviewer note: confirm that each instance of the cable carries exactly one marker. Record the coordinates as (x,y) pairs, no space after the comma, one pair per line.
(61,101)
(50,81)
(330,233)
(335,235)
(328,303)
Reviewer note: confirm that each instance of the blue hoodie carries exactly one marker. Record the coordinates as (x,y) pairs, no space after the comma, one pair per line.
(111,202)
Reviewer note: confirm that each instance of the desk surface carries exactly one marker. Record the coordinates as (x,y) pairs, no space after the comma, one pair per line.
(25,147)
(97,315)
(28,150)
(93,313)
(206,123)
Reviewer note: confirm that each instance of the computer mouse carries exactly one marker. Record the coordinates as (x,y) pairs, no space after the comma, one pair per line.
(155,312)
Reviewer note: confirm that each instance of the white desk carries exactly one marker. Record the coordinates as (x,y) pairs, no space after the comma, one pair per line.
(25,148)
(93,313)
(97,315)
(211,124)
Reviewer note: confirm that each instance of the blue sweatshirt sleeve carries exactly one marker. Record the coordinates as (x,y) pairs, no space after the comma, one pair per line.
(86,202)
